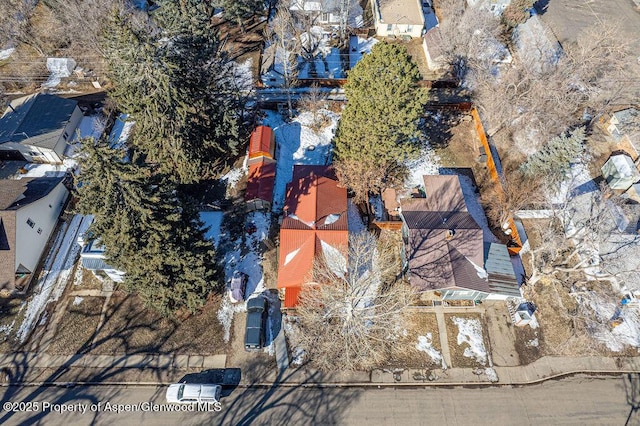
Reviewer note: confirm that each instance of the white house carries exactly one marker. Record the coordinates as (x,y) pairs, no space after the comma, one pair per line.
(322,12)
(93,259)
(398,18)
(37,127)
(29,211)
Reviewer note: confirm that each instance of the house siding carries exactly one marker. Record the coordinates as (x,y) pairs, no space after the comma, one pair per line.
(29,243)
(463,295)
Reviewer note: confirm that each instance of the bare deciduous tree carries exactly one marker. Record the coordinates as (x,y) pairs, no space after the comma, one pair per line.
(363,178)
(352,313)
(540,102)
(582,238)
(501,203)
(285,47)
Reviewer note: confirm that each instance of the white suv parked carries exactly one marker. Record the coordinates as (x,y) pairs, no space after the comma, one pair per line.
(186,393)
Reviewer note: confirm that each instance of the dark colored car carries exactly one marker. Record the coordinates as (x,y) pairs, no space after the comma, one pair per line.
(254,335)
(238,286)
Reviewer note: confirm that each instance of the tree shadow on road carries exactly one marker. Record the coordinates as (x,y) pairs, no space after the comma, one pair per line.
(632,388)
(21,371)
(296,396)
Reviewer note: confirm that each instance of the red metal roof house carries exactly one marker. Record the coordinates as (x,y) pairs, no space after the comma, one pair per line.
(315,223)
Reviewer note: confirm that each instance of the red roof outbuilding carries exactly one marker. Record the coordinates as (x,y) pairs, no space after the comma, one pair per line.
(262,144)
(262,177)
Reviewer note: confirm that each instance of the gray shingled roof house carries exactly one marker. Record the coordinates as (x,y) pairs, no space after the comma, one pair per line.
(37,127)
(445,250)
(29,211)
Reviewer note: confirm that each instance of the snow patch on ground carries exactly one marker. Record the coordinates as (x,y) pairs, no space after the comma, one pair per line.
(425,345)
(233,176)
(297,143)
(77,277)
(358,47)
(297,356)
(491,374)
(6,53)
(470,332)
(212,222)
(428,163)
(354,219)
(56,272)
(225,315)
(77,300)
(605,309)
(291,329)
(534,343)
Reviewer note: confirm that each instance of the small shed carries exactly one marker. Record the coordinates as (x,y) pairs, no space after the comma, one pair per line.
(524,314)
(620,172)
(262,145)
(260,184)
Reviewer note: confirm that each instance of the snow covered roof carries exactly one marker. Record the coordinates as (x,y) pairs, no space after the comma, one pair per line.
(536,44)
(620,172)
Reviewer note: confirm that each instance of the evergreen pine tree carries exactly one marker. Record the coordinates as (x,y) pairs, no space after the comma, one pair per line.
(553,161)
(379,125)
(149,230)
(180,91)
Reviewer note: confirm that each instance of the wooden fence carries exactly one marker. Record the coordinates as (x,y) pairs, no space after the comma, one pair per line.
(515,244)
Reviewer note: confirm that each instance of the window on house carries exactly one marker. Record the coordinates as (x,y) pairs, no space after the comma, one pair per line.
(31,223)
(65,135)
(39,230)
(389,27)
(409,28)
(325,17)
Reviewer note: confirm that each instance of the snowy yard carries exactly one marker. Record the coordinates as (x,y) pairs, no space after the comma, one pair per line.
(298,143)
(243,254)
(602,309)
(470,344)
(56,272)
(358,47)
(425,344)
(470,337)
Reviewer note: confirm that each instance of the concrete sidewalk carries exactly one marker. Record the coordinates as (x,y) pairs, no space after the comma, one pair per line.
(542,369)
(164,369)
(178,362)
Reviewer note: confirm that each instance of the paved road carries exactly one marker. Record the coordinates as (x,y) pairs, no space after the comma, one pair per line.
(574,401)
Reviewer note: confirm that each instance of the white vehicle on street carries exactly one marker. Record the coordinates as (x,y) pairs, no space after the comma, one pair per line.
(187,393)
